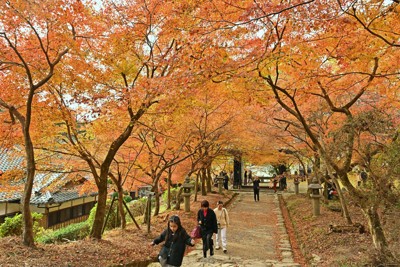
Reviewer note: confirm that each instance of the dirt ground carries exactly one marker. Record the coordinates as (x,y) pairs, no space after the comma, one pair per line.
(310,239)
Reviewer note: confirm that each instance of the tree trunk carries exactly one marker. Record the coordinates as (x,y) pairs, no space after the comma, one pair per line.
(157,200)
(121,207)
(343,203)
(169,190)
(342,199)
(28,238)
(377,233)
(208,176)
(146,210)
(203,182)
(100,212)
(196,186)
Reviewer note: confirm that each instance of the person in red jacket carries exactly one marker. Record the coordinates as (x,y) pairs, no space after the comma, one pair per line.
(208,222)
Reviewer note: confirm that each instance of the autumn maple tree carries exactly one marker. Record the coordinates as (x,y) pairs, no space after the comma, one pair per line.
(114,81)
(34,39)
(328,68)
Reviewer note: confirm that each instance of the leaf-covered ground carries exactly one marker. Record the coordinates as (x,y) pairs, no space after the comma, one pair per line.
(129,247)
(323,248)
(311,240)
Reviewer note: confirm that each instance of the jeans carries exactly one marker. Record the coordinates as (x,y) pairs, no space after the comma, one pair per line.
(208,243)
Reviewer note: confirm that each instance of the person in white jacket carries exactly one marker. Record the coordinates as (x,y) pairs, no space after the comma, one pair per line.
(223,222)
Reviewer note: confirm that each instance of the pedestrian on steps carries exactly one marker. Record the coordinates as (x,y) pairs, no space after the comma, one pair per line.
(223,222)
(256,188)
(275,182)
(176,239)
(208,222)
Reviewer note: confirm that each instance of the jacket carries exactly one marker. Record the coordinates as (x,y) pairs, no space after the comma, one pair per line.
(222,217)
(256,184)
(174,249)
(209,223)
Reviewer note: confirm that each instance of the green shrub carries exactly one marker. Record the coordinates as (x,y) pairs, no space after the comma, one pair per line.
(137,207)
(174,193)
(75,231)
(112,221)
(127,199)
(12,226)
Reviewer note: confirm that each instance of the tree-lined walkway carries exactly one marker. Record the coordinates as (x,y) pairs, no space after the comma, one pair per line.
(256,236)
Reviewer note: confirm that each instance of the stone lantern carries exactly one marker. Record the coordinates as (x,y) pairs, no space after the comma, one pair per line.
(187,186)
(220,181)
(315,197)
(296,185)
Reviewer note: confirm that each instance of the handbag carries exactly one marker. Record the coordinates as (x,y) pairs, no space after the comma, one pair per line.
(196,232)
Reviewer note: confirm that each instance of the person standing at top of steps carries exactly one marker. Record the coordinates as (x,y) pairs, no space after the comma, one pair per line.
(256,188)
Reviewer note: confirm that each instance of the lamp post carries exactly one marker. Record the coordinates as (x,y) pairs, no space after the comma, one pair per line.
(187,186)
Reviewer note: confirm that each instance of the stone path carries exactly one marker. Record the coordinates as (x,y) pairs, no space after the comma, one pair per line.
(256,237)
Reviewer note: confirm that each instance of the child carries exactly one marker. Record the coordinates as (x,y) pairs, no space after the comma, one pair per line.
(176,239)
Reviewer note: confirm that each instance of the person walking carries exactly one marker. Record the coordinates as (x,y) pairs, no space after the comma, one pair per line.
(222,222)
(176,238)
(250,177)
(256,188)
(208,222)
(275,182)
(226,180)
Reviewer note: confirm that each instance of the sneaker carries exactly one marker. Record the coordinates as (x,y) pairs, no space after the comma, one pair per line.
(225,251)
(217,248)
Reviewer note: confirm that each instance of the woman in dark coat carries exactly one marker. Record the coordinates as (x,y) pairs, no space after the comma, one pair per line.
(208,223)
(176,239)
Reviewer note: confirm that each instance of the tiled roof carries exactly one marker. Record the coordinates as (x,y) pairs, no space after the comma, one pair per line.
(43,180)
(44,183)
(10,160)
(57,197)
(10,196)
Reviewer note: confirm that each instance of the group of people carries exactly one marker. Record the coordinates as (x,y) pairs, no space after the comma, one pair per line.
(175,237)
(225,180)
(279,182)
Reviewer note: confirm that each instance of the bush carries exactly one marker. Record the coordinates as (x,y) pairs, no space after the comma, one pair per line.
(137,207)
(127,199)
(174,193)
(112,217)
(75,231)
(12,226)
